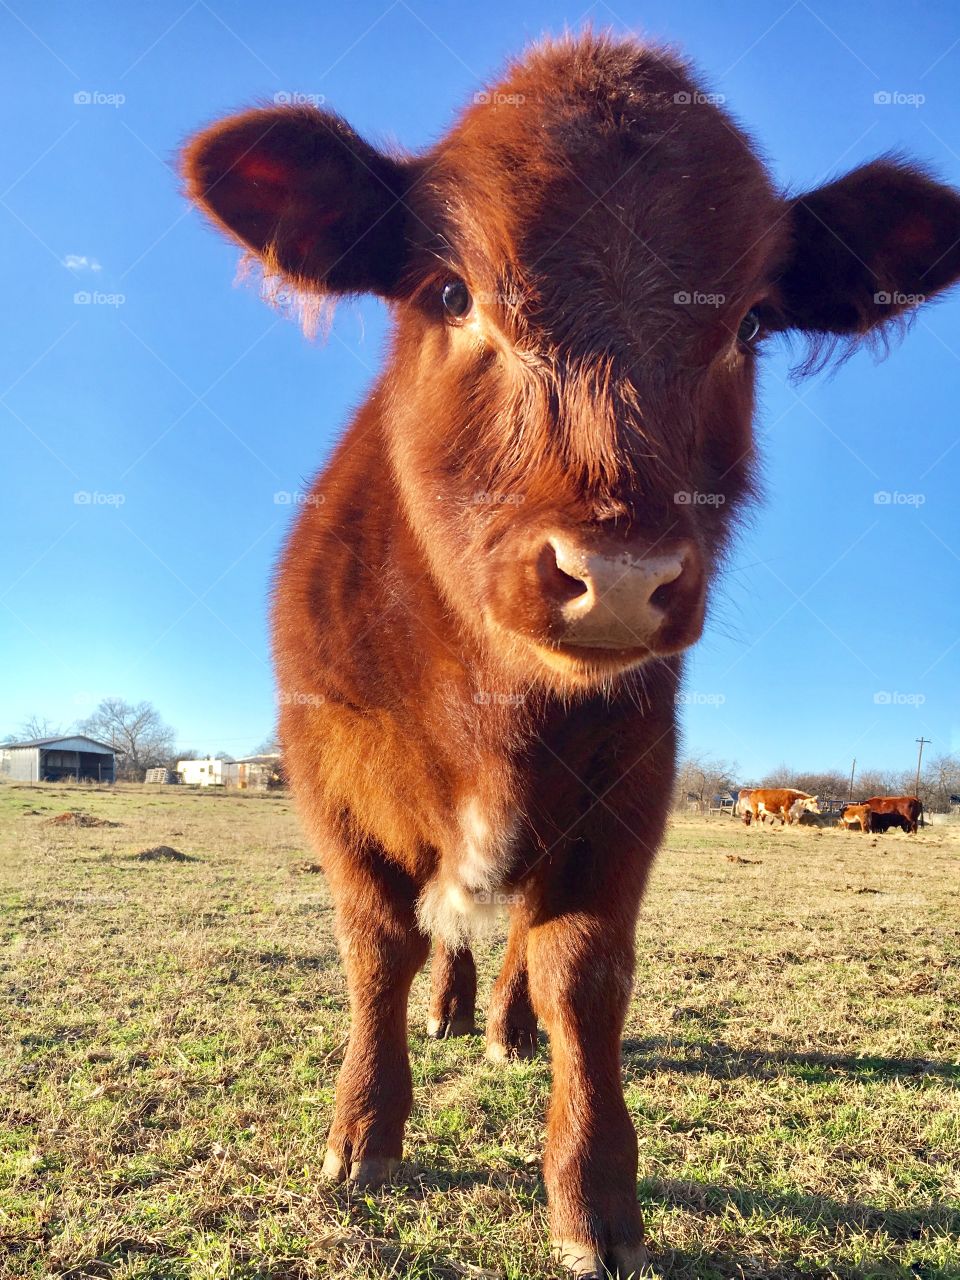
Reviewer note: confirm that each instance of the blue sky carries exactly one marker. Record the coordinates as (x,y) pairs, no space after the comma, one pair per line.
(182,405)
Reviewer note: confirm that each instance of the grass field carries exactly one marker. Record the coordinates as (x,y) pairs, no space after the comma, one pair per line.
(174,1029)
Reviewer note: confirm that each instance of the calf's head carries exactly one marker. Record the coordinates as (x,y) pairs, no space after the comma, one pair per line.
(582,272)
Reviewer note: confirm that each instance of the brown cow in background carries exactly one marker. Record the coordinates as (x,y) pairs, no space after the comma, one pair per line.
(480,611)
(894,811)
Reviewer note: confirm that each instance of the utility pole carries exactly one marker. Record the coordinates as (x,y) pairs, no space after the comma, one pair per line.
(923,742)
(853,769)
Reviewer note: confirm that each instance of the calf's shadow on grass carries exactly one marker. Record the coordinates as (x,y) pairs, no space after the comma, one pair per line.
(661,1196)
(722,1062)
(645,1057)
(713,1200)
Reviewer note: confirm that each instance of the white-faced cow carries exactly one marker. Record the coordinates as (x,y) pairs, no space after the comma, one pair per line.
(479,618)
(785,803)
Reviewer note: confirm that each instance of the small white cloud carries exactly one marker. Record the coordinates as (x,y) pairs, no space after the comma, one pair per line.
(80,262)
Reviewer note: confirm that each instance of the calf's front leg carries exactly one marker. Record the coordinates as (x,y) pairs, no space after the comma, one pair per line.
(581,971)
(382,948)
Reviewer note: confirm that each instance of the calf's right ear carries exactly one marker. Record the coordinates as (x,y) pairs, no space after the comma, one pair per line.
(304,192)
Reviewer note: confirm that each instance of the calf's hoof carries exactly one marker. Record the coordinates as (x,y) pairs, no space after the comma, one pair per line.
(447,1028)
(624,1261)
(516,1044)
(372,1171)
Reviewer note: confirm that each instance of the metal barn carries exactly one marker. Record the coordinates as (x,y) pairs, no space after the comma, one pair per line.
(74,756)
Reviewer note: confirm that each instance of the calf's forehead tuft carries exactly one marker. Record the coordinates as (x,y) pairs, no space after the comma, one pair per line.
(593,158)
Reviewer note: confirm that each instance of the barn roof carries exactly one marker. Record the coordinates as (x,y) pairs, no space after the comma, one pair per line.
(50,742)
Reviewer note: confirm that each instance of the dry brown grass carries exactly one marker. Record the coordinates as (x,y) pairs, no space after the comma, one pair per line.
(792,1060)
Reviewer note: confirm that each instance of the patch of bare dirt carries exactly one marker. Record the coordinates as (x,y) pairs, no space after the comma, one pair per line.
(305,869)
(74,818)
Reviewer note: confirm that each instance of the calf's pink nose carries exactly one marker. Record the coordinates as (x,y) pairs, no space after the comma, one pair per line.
(613,597)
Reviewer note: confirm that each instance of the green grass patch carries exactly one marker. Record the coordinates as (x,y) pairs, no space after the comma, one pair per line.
(172,1033)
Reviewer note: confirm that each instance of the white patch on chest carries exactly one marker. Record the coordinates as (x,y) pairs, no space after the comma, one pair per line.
(464,897)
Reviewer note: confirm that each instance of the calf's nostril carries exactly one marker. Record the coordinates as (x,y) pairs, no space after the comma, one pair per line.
(670,586)
(557,582)
(570,586)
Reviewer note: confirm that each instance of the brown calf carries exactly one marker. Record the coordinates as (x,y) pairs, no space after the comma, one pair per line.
(479,616)
(855,815)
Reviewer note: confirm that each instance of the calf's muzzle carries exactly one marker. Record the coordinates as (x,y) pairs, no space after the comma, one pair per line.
(622,596)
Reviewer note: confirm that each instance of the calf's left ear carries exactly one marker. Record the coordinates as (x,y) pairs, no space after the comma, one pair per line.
(866,248)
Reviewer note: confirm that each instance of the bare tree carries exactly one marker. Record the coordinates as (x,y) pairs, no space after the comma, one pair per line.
(879,782)
(703,777)
(136,732)
(35,727)
(939,781)
(825,783)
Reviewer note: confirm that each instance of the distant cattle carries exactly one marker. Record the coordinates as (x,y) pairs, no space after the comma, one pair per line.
(907,811)
(775,802)
(855,815)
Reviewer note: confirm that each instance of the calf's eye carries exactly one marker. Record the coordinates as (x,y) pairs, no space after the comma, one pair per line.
(749,327)
(456,299)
